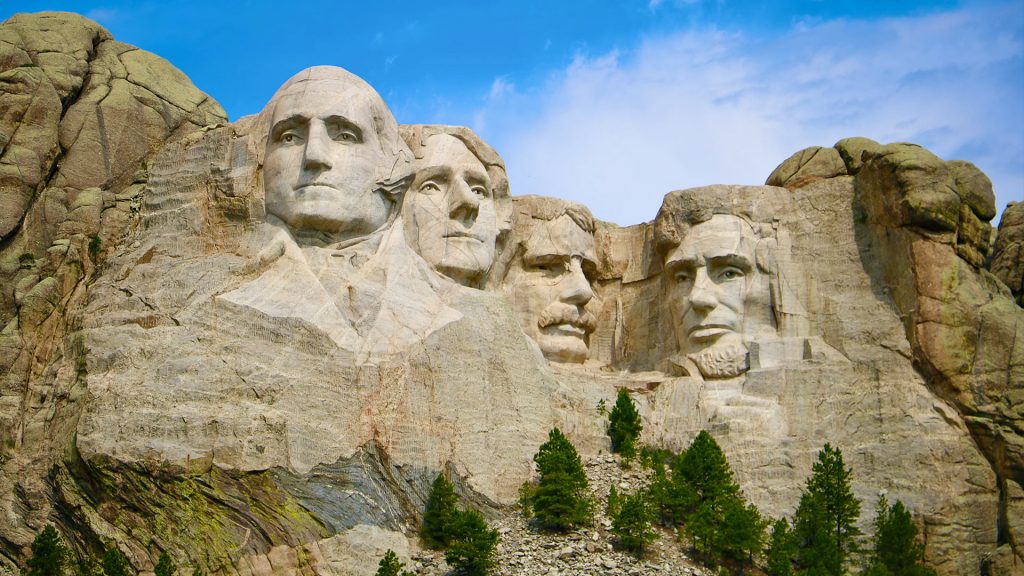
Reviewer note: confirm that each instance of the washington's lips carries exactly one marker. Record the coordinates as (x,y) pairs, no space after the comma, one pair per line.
(315,185)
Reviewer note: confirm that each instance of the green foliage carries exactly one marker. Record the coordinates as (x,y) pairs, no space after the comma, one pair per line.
(95,244)
(612,506)
(742,530)
(526,493)
(471,551)
(704,466)
(631,522)
(825,521)
(390,566)
(198,572)
(439,514)
(48,554)
(560,501)
(781,550)
(87,566)
(164,565)
(896,549)
(115,564)
(624,425)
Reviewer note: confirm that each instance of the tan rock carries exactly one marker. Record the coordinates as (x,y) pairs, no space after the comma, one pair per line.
(852,152)
(806,166)
(1007,261)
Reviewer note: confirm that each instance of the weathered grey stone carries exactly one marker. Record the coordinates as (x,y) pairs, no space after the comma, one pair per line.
(852,152)
(1007,262)
(806,166)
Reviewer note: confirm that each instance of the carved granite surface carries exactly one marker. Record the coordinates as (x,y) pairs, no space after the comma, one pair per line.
(254,344)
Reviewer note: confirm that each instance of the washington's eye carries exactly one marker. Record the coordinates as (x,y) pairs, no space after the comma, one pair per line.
(348,136)
(289,138)
(430,186)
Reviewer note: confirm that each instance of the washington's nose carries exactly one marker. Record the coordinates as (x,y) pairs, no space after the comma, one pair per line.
(463,204)
(316,156)
(702,295)
(575,286)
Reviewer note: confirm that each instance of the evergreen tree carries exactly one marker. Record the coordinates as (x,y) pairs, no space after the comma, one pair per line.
(87,566)
(742,531)
(439,514)
(471,549)
(165,566)
(560,501)
(614,501)
(48,554)
(825,520)
(896,549)
(624,425)
(115,564)
(390,566)
(704,466)
(781,550)
(631,522)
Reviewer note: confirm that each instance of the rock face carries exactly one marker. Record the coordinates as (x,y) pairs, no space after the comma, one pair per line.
(254,345)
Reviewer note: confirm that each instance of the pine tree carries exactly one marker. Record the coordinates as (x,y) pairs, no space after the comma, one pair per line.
(825,520)
(390,566)
(896,549)
(471,549)
(439,514)
(624,425)
(704,466)
(560,501)
(115,564)
(165,566)
(781,550)
(631,522)
(742,531)
(48,554)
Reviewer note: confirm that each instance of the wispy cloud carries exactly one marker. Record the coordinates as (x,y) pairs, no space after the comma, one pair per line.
(706,106)
(103,15)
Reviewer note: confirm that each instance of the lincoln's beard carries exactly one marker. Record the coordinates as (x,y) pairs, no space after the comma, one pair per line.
(721,360)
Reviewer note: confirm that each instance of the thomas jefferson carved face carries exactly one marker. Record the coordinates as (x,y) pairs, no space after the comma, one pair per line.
(323,158)
(714,283)
(550,289)
(449,211)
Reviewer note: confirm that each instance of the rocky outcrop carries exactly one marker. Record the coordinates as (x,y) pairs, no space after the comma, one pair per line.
(1007,261)
(927,221)
(82,115)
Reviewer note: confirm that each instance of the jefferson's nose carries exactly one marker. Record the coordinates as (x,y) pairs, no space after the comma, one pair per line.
(702,295)
(463,204)
(317,153)
(575,286)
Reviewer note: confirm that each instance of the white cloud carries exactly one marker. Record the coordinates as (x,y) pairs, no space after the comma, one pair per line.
(705,106)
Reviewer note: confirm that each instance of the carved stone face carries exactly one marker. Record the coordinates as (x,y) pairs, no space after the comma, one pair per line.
(449,211)
(322,161)
(714,281)
(549,289)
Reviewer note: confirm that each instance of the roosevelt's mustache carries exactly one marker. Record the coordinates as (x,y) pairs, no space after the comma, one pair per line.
(583,320)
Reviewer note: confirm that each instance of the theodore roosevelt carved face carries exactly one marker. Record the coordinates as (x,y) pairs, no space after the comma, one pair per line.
(715,284)
(548,281)
(449,211)
(331,149)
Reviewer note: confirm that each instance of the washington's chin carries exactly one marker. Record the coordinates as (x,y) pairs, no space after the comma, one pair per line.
(564,343)
(331,214)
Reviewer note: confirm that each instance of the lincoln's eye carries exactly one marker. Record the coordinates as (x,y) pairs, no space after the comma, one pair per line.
(732,274)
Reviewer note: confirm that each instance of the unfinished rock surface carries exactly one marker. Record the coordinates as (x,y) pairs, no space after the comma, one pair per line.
(221,341)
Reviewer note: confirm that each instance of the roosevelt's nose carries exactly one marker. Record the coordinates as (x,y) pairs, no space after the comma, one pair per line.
(703,294)
(317,153)
(575,286)
(463,203)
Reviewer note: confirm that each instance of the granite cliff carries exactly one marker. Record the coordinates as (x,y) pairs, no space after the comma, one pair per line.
(254,344)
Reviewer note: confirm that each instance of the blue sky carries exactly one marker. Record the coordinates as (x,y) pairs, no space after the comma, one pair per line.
(616,103)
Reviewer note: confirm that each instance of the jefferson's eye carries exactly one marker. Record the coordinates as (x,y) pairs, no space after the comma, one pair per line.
(731,274)
(430,186)
(481,191)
